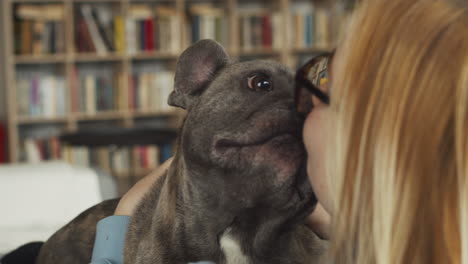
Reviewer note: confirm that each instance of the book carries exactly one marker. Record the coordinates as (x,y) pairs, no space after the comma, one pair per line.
(38,32)
(119,36)
(24,93)
(278,38)
(322,27)
(103,19)
(208,22)
(149,91)
(84,40)
(266,32)
(41,95)
(97,39)
(260,31)
(121,95)
(38,29)
(26,40)
(90,94)
(310,27)
(120,161)
(96,89)
(152,29)
(167,34)
(131,30)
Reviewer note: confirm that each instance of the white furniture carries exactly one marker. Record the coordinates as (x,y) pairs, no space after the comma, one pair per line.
(37,199)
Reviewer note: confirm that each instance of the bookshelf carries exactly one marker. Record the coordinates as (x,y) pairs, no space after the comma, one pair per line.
(71,63)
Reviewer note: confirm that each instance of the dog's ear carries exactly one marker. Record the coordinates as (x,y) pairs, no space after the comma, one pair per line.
(196,68)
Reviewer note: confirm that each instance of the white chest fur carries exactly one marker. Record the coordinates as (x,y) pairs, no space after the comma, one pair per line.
(232,250)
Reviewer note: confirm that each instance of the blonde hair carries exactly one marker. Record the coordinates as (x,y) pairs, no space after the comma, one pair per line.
(399,163)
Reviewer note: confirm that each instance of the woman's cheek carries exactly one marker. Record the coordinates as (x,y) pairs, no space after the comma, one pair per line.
(315,138)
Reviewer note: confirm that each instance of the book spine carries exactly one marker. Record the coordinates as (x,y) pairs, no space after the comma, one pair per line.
(104,30)
(246,35)
(97,40)
(195,28)
(322,28)
(121,95)
(131,34)
(276,32)
(109,97)
(35,96)
(90,94)
(49,98)
(26,37)
(74,91)
(119,34)
(24,99)
(148,31)
(266,32)
(87,43)
(156,33)
(309,30)
(165,34)
(100,95)
(175,34)
(59,38)
(141,36)
(38,33)
(61,99)
(131,92)
(50,39)
(142,92)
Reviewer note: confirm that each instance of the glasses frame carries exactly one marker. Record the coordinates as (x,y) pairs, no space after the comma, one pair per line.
(302,81)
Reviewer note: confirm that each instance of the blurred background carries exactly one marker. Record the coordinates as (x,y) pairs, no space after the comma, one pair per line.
(84,87)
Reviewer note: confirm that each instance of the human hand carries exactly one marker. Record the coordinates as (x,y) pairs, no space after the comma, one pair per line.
(130,200)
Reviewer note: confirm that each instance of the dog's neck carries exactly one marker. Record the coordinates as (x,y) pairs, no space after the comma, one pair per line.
(211,227)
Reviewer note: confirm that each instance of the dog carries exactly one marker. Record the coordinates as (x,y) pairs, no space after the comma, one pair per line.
(236,192)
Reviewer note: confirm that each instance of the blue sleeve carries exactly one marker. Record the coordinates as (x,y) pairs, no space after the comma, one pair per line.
(110,240)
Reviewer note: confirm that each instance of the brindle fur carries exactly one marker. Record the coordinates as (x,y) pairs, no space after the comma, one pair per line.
(73,243)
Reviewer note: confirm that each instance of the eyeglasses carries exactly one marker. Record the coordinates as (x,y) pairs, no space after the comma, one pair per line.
(309,78)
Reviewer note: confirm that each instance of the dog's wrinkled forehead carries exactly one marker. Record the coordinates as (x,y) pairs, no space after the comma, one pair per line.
(242,74)
(237,89)
(267,66)
(206,64)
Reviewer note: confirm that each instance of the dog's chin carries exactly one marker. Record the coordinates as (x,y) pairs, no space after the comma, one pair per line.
(282,152)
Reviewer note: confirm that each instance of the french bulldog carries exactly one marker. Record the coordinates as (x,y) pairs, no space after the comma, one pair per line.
(237,190)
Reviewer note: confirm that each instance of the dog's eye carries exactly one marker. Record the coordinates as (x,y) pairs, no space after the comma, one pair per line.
(260,82)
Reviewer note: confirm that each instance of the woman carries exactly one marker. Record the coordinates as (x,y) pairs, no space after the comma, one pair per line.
(397,133)
(388,158)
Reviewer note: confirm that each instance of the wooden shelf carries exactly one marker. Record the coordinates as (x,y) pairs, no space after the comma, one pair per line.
(98,115)
(137,173)
(150,1)
(96,1)
(259,52)
(317,49)
(36,1)
(39,59)
(152,113)
(153,55)
(94,57)
(40,120)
